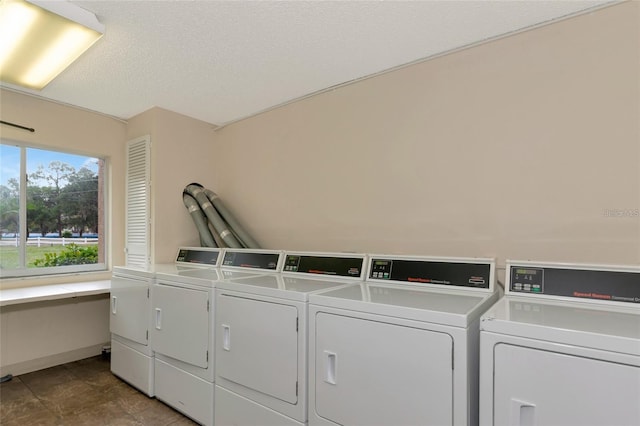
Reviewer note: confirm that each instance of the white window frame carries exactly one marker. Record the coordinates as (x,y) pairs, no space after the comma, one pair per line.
(25,272)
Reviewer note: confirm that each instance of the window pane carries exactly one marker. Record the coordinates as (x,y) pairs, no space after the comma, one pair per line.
(55,223)
(63,209)
(9,206)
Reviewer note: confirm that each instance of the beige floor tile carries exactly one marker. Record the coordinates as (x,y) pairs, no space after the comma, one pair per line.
(81,393)
(43,380)
(107,413)
(157,414)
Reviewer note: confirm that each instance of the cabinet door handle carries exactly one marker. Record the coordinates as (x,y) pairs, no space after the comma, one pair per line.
(330,361)
(226,337)
(158,319)
(114,300)
(522,413)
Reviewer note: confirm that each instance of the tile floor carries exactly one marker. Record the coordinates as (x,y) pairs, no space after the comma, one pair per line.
(80,393)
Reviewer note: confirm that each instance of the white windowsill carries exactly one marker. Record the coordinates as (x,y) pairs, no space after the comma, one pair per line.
(14,296)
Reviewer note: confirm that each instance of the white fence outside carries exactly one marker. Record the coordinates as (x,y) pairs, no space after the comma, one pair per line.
(44,242)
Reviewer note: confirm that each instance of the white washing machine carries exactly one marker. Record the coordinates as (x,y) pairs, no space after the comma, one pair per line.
(130,318)
(183,329)
(402,347)
(562,347)
(261,338)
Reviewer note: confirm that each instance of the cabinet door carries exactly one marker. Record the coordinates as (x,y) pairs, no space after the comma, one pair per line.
(180,324)
(130,308)
(374,373)
(538,387)
(257,345)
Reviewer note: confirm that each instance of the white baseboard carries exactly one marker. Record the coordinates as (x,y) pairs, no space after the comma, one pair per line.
(51,360)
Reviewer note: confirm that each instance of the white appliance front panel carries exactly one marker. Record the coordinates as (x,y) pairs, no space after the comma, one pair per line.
(285,287)
(185,392)
(234,274)
(574,323)
(257,345)
(360,365)
(180,323)
(175,269)
(234,409)
(449,307)
(201,277)
(541,387)
(132,366)
(310,285)
(130,308)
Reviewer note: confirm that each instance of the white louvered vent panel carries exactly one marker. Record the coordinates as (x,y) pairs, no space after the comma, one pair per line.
(138,204)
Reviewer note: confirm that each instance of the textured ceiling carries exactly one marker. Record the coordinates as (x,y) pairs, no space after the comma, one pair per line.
(220,61)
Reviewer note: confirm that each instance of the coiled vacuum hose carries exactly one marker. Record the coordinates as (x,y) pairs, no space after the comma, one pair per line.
(206,239)
(235,227)
(226,230)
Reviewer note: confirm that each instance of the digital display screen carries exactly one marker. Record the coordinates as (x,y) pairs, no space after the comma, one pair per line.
(268,261)
(475,275)
(205,257)
(527,271)
(324,265)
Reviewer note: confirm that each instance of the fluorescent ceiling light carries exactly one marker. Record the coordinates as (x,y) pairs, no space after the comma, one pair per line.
(39,39)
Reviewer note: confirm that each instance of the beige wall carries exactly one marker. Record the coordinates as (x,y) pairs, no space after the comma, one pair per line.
(513,149)
(43,334)
(181,153)
(79,131)
(39,335)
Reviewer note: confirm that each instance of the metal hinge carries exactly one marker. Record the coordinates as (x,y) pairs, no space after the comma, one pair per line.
(296,388)
(296,330)
(147,334)
(148,291)
(207,306)
(207,356)
(452,361)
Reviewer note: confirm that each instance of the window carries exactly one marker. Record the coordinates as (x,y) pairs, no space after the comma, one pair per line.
(51,212)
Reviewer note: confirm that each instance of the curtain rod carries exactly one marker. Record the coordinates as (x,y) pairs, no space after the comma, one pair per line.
(30,129)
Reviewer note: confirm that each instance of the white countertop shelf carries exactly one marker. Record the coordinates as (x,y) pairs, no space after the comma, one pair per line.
(14,296)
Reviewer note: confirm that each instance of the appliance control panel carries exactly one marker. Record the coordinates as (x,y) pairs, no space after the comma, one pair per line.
(253,260)
(431,272)
(338,266)
(528,280)
(203,256)
(582,283)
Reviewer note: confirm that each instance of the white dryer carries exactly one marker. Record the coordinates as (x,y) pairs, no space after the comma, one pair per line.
(130,317)
(261,338)
(183,329)
(562,347)
(402,347)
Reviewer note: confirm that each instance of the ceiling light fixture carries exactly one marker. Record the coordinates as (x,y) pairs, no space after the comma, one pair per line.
(39,39)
